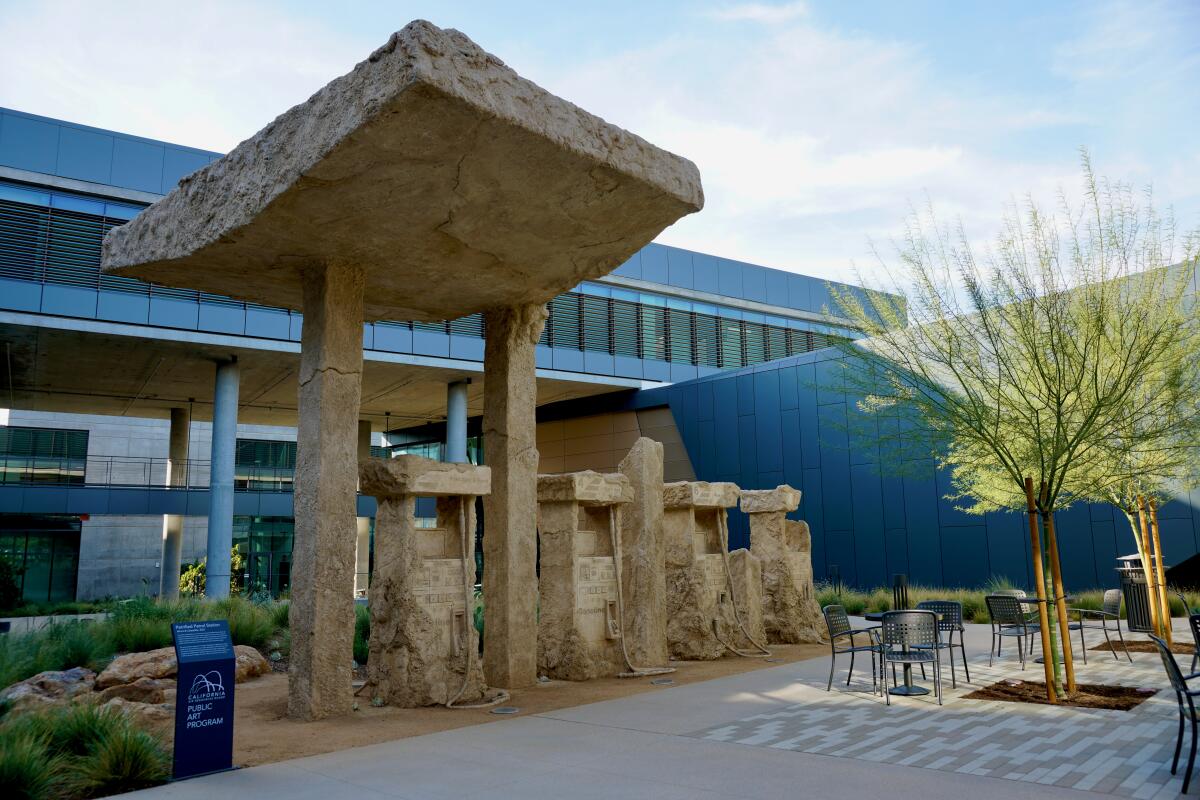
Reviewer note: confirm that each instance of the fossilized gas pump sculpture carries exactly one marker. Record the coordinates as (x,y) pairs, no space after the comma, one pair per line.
(579,617)
(424,646)
(784,546)
(714,597)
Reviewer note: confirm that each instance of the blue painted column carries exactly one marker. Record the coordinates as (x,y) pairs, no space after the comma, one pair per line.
(220,510)
(456,422)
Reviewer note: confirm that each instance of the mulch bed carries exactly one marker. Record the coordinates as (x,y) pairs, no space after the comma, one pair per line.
(1088,695)
(1142,646)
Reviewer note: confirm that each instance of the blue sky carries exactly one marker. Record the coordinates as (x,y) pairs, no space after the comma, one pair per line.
(816,125)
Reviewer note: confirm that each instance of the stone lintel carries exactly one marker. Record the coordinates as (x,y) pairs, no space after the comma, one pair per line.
(700,494)
(422,477)
(586,488)
(782,498)
(431,164)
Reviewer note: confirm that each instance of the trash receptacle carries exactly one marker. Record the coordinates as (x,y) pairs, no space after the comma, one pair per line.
(1135,593)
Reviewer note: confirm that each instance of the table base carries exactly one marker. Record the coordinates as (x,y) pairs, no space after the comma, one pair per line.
(908,691)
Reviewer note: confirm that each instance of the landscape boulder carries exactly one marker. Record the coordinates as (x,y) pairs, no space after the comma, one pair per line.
(160,663)
(45,688)
(142,690)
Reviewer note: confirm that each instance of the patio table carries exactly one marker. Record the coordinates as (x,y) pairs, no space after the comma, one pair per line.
(909,689)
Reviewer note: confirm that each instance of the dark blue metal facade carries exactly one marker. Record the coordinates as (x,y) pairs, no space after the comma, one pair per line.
(787,422)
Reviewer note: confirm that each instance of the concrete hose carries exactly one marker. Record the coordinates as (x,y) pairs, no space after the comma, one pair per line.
(614,530)
(723,529)
(469,623)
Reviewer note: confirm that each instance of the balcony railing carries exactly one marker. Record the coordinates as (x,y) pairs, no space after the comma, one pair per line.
(132,471)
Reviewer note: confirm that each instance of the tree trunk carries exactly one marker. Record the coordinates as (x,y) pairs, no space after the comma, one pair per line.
(1163,600)
(1040,587)
(1060,601)
(1146,553)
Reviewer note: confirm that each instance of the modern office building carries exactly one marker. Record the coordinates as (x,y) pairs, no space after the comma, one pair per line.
(111,384)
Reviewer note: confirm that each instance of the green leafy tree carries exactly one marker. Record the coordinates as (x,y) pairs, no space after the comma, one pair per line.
(195,577)
(1033,357)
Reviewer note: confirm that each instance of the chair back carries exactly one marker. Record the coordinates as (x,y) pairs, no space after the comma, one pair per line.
(1194,624)
(1174,673)
(1112,602)
(1004,609)
(836,620)
(949,612)
(909,629)
(900,592)
(1009,592)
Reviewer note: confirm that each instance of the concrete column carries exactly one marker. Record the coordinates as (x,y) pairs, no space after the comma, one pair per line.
(220,507)
(456,422)
(172,536)
(322,607)
(510,591)
(362,539)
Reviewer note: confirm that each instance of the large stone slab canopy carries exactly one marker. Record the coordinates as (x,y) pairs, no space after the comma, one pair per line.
(456,184)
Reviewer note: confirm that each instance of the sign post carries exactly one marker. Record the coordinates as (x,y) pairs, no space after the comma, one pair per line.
(204,698)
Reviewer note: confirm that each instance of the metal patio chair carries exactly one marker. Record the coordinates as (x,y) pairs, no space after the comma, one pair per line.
(839,628)
(950,622)
(910,637)
(1185,697)
(1098,620)
(1009,619)
(1194,626)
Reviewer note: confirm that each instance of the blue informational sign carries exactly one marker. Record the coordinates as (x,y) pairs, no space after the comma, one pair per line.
(204,699)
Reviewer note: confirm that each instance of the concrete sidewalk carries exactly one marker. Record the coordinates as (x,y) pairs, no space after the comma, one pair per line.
(677,743)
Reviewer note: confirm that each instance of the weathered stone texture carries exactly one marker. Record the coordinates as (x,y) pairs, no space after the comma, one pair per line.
(47,688)
(643,556)
(747,571)
(578,625)
(432,165)
(421,627)
(422,477)
(764,501)
(790,612)
(587,487)
(510,586)
(322,604)
(700,494)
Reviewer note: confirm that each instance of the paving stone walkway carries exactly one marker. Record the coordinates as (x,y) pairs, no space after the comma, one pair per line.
(1122,753)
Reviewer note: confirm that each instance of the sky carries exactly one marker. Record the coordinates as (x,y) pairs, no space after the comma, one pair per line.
(817,125)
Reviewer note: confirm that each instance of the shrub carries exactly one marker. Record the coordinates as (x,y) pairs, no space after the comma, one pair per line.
(27,769)
(362,633)
(124,760)
(78,729)
(135,634)
(76,644)
(249,623)
(279,614)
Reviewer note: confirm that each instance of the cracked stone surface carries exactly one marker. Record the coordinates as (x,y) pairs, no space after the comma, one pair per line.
(421,622)
(430,164)
(790,611)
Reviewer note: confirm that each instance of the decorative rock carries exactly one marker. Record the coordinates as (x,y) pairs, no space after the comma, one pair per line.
(46,688)
(128,668)
(158,718)
(747,572)
(142,690)
(586,488)
(421,477)
(643,556)
(161,663)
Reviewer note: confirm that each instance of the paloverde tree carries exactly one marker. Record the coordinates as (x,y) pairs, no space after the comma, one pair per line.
(1018,361)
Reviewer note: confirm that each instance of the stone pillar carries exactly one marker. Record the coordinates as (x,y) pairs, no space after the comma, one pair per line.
(362,539)
(748,587)
(698,589)
(220,506)
(322,606)
(423,641)
(643,557)
(456,422)
(790,612)
(172,535)
(510,512)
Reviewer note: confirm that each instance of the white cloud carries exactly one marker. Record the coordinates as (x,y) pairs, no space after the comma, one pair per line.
(760,12)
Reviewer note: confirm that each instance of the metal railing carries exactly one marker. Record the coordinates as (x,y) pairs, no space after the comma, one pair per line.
(133,471)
